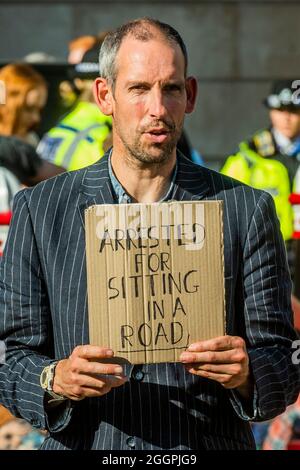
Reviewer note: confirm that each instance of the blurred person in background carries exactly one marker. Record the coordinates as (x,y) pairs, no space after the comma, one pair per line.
(279,433)
(270,158)
(26,96)
(80,45)
(19,166)
(20,115)
(284,430)
(21,159)
(77,48)
(17,434)
(84,134)
(283,433)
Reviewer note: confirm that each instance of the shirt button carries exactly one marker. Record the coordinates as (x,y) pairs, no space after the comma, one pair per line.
(131,442)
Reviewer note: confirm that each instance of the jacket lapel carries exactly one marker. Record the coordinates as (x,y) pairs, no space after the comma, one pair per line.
(191,183)
(96,187)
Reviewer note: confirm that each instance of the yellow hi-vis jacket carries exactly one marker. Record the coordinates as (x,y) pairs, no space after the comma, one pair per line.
(77,141)
(266,173)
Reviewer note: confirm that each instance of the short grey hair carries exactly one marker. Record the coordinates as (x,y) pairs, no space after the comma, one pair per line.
(141,29)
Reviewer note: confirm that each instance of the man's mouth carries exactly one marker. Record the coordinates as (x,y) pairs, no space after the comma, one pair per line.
(157,134)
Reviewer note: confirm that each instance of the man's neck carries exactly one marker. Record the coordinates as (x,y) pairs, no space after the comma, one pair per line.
(143,182)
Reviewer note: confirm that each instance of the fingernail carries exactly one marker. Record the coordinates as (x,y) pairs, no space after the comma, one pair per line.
(109,352)
(119,370)
(185,357)
(193,347)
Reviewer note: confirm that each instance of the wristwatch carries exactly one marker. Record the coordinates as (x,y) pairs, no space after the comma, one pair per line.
(47,379)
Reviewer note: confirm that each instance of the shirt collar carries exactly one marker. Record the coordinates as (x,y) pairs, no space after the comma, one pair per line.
(124,198)
(287,146)
(281,140)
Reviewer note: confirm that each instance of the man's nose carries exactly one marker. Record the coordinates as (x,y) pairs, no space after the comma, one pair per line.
(157,107)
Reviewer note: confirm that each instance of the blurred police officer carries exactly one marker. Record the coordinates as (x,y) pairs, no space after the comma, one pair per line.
(270,158)
(83,135)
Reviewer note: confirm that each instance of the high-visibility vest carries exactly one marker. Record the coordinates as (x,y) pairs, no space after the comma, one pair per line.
(77,141)
(266,173)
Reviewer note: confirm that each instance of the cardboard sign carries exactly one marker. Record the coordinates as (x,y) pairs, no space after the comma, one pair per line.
(155,277)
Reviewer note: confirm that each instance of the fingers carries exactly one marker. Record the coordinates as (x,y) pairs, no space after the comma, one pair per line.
(224,379)
(94,392)
(223,359)
(214,357)
(222,350)
(78,393)
(74,385)
(221,343)
(82,366)
(227,369)
(98,383)
(87,369)
(90,391)
(95,375)
(91,352)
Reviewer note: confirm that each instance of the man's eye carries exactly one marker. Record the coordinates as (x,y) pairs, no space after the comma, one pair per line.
(173,89)
(138,88)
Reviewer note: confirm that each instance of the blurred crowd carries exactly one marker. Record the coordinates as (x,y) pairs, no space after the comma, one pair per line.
(77,134)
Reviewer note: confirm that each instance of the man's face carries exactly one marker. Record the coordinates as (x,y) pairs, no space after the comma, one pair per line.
(149,99)
(287,122)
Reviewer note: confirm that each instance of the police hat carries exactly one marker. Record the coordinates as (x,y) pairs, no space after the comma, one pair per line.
(88,68)
(285,94)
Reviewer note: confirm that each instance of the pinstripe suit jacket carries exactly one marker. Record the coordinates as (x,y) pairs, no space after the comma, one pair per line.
(43,300)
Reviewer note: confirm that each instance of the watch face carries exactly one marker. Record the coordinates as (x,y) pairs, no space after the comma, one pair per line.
(47,377)
(44,378)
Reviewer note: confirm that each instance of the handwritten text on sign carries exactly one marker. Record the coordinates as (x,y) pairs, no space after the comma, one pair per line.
(148,272)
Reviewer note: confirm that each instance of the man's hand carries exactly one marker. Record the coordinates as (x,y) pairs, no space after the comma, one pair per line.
(223,359)
(84,375)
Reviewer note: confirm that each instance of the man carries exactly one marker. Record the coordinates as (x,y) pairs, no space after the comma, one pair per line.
(270,158)
(83,135)
(52,376)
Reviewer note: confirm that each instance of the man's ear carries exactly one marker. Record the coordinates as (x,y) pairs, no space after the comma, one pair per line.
(103,96)
(191,93)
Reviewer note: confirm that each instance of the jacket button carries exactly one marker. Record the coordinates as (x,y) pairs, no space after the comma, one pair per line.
(131,442)
(138,375)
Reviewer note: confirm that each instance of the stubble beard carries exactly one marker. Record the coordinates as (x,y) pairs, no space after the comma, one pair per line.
(138,151)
